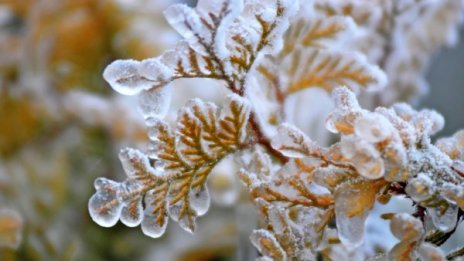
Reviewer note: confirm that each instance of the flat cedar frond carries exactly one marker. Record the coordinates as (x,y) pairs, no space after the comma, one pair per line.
(309,67)
(222,40)
(317,32)
(310,58)
(182,160)
(327,70)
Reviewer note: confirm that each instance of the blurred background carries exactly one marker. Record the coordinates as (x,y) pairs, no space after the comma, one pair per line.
(62,126)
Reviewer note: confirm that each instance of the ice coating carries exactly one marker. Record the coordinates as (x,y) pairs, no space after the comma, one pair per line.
(291,142)
(200,200)
(152,225)
(132,213)
(350,228)
(444,222)
(187,23)
(386,145)
(124,77)
(104,206)
(157,69)
(155,102)
(186,222)
(373,127)
(365,157)
(420,188)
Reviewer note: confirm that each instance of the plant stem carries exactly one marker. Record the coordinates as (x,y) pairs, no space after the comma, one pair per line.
(456,253)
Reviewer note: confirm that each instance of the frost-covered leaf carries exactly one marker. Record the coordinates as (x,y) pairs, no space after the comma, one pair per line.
(293,143)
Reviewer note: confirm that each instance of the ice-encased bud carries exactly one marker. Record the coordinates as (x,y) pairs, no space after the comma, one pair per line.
(124,77)
(350,229)
(420,188)
(454,194)
(104,206)
(447,221)
(364,156)
(155,102)
(406,227)
(373,127)
(343,123)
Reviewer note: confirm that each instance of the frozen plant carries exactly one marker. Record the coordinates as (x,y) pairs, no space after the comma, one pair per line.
(264,52)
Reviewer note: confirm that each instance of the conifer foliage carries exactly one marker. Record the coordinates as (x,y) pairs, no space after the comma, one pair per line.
(299,186)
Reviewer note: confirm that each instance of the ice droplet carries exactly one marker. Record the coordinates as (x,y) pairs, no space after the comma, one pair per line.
(406,227)
(350,229)
(153,225)
(155,70)
(223,184)
(152,228)
(373,127)
(155,102)
(420,188)
(131,214)
(104,207)
(364,156)
(200,200)
(124,77)
(447,221)
(454,194)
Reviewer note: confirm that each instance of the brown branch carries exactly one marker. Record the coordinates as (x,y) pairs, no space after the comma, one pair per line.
(263,140)
(455,254)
